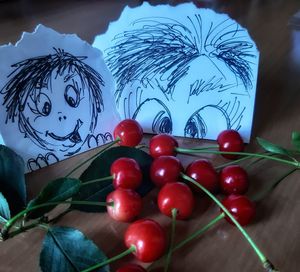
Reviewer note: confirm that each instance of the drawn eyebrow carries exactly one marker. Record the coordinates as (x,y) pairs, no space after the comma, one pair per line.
(200,86)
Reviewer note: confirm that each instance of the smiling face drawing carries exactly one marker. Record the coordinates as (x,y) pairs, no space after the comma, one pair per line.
(59,112)
(55,100)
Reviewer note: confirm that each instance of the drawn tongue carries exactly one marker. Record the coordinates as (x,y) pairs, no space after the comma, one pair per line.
(75,137)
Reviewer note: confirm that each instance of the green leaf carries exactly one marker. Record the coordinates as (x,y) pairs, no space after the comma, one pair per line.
(100,168)
(68,249)
(57,190)
(273,148)
(296,140)
(4,208)
(12,179)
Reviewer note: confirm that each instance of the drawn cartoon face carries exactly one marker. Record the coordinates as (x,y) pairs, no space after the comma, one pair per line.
(60,111)
(190,76)
(54,101)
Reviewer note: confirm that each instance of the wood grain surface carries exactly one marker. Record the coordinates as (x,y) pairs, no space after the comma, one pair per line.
(276,229)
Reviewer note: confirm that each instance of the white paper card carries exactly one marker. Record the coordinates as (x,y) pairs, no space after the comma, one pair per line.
(56,97)
(182,70)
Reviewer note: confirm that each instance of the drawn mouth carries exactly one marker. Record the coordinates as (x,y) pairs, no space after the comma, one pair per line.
(74,136)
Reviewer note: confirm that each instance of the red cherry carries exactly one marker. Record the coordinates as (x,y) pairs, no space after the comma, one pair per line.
(230,141)
(131,268)
(242,209)
(162,144)
(234,180)
(204,173)
(149,239)
(126,173)
(176,195)
(129,131)
(165,169)
(127,205)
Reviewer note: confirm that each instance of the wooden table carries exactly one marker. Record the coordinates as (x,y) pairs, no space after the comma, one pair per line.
(276,229)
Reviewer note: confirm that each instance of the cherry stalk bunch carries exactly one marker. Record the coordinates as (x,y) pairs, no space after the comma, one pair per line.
(178,188)
(123,185)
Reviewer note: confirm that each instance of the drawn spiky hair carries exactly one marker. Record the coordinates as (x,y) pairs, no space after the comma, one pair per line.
(164,48)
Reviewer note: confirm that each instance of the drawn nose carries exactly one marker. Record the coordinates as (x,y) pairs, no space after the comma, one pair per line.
(61,116)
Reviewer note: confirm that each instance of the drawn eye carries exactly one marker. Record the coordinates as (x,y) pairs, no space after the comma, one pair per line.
(155,116)
(195,127)
(207,122)
(72,96)
(162,123)
(43,104)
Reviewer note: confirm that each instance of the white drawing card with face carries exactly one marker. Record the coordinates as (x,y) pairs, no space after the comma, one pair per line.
(56,97)
(182,70)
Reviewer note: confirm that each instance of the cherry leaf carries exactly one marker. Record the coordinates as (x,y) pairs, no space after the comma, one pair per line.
(100,168)
(296,140)
(57,190)
(273,148)
(68,249)
(4,208)
(12,182)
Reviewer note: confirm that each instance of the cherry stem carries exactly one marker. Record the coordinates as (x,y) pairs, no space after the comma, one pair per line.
(169,256)
(195,234)
(258,155)
(12,221)
(261,256)
(232,162)
(262,194)
(130,250)
(206,147)
(243,159)
(96,180)
(199,232)
(93,157)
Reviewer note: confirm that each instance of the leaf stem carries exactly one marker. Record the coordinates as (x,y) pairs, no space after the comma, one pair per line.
(23,229)
(12,221)
(115,258)
(56,218)
(169,255)
(207,147)
(258,155)
(93,157)
(260,255)
(96,180)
